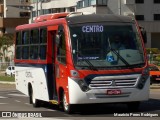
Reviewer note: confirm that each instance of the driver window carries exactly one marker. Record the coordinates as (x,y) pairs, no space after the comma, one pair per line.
(61,47)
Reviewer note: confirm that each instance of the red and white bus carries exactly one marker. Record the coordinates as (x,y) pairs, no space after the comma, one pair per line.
(69,60)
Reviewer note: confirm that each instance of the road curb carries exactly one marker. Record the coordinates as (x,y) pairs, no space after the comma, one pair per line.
(3,82)
(155,87)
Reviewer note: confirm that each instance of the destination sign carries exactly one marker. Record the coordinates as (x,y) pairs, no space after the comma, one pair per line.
(92,28)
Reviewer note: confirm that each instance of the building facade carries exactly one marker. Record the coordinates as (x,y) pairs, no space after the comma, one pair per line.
(13,13)
(147,12)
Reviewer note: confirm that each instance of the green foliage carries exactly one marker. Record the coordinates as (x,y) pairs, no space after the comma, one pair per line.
(7,59)
(153,50)
(157,58)
(5,42)
(7,78)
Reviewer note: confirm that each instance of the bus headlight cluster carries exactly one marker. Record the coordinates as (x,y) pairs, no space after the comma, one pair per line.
(143,78)
(82,84)
(84,87)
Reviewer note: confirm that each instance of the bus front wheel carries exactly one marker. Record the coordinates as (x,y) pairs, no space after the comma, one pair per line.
(66,106)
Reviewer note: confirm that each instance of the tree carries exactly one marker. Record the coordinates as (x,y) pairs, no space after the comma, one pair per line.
(5,42)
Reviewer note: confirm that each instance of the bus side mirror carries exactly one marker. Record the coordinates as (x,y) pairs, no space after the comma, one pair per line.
(144,35)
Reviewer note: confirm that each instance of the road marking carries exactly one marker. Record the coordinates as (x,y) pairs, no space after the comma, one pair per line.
(3,103)
(50,110)
(19,95)
(27,103)
(17,101)
(3,97)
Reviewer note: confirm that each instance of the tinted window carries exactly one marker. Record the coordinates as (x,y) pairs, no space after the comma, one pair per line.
(18,52)
(25,52)
(34,52)
(42,54)
(18,38)
(12,68)
(43,35)
(25,37)
(34,36)
(94,42)
(9,68)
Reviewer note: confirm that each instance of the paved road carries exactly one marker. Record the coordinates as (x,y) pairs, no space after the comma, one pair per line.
(15,102)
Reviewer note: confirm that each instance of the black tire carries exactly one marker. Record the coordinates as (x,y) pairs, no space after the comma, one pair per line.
(133,106)
(68,108)
(33,100)
(30,93)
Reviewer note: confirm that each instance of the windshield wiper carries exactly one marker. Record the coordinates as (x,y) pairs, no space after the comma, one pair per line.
(91,66)
(118,55)
(122,59)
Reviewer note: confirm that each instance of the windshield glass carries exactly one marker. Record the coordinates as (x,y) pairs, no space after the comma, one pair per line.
(101,45)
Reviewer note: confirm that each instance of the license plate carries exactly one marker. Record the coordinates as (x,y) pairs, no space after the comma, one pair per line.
(113,92)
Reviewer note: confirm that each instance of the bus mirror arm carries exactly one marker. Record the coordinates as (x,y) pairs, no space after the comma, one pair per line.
(144,34)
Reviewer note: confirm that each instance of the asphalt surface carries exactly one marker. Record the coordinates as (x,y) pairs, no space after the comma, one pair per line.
(15,101)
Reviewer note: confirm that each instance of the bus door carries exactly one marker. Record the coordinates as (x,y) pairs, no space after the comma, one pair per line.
(51,47)
(61,67)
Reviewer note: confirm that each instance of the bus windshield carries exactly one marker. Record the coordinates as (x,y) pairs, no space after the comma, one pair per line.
(102,45)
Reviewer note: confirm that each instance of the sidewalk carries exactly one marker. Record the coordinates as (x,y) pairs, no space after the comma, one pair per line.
(155,86)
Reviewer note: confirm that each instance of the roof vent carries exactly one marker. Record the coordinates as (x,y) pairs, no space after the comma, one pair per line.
(46,17)
(72,14)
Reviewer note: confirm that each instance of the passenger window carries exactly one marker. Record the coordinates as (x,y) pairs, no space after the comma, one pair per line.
(18,38)
(34,39)
(12,68)
(18,52)
(43,35)
(25,37)
(9,68)
(34,52)
(42,54)
(43,43)
(25,52)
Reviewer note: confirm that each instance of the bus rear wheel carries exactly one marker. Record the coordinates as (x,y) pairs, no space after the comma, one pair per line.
(33,100)
(68,108)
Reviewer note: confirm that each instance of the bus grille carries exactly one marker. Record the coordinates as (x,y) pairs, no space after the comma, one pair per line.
(113,82)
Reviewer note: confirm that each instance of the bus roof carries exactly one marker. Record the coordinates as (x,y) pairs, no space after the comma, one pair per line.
(40,24)
(91,18)
(98,18)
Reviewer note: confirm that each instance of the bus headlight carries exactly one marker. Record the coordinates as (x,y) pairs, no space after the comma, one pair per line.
(82,84)
(143,78)
(84,87)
